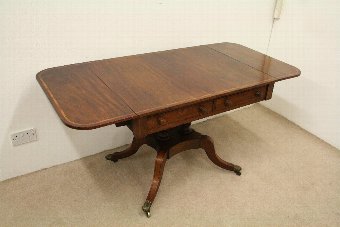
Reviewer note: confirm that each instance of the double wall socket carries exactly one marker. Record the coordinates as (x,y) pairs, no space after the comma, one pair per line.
(26,136)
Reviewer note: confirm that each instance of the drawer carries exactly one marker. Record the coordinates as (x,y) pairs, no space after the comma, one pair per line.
(239,99)
(179,116)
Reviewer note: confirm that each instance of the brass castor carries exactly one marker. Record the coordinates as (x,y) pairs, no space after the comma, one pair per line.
(111,157)
(146,208)
(237,170)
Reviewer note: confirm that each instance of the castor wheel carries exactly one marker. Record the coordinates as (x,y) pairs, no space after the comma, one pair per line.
(237,170)
(111,157)
(146,208)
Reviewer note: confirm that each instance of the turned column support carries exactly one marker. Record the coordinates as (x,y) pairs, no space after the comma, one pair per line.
(167,144)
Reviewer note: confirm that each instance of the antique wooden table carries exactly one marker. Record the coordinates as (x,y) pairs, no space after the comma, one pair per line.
(157,95)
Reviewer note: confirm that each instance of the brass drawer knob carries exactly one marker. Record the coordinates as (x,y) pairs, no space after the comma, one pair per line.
(258,93)
(203,110)
(161,121)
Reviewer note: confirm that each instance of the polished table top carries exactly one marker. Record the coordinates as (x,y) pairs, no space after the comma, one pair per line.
(98,93)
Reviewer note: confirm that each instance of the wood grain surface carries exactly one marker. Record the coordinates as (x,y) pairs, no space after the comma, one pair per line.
(257,60)
(81,99)
(95,94)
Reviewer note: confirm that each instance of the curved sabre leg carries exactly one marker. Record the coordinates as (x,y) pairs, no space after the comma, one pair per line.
(156,181)
(135,145)
(208,145)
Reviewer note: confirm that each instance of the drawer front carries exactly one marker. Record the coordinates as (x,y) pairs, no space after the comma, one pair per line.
(243,98)
(179,116)
(182,115)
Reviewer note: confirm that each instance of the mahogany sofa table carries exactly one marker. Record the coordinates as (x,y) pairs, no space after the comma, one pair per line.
(157,95)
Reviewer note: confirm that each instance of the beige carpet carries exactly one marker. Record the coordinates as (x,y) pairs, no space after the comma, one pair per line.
(289,178)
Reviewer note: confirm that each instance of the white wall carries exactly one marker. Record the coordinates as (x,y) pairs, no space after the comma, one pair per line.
(36,35)
(308,36)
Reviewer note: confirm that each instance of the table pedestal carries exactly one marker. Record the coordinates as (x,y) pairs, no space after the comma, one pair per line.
(167,144)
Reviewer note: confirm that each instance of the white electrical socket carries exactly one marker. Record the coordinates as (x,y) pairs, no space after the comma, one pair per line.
(26,136)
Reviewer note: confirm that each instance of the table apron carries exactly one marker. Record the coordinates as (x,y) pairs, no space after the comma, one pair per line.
(146,125)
